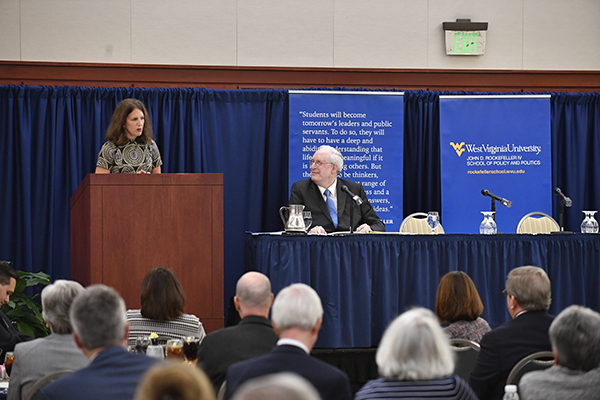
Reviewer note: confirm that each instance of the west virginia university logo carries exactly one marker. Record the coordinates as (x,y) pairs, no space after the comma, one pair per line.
(458,147)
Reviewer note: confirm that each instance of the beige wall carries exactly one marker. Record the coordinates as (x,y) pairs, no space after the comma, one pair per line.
(522,34)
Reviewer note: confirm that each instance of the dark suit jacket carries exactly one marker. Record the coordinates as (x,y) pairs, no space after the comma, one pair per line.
(252,337)
(113,375)
(307,193)
(503,347)
(330,382)
(9,336)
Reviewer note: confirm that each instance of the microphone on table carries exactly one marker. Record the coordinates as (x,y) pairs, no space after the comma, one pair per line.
(356,198)
(568,201)
(505,202)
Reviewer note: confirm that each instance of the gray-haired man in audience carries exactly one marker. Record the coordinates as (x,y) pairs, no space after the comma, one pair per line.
(100,330)
(56,352)
(297,316)
(575,338)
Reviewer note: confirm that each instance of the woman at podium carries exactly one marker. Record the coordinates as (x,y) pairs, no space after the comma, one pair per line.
(130,148)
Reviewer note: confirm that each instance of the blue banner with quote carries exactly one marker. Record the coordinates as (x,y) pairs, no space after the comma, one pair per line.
(367,128)
(497,143)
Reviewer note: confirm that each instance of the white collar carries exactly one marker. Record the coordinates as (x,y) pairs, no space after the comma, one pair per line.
(293,342)
(332,189)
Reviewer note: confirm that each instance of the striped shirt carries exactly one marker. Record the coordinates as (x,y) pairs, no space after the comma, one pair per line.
(449,387)
(186,325)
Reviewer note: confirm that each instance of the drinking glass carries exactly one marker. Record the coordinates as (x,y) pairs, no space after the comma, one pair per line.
(589,224)
(191,345)
(433,220)
(175,349)
(307,215)
(8,362)
(142,343)
(488,225)
(155,351)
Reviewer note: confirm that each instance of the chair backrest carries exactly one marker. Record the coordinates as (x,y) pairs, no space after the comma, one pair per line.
(417,223)
(466,352)
(533,362)
(34,393)
(537,222)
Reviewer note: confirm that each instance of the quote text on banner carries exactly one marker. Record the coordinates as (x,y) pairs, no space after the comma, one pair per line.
(367,128)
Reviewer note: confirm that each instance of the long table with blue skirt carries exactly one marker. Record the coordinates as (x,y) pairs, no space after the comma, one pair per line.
(366,280)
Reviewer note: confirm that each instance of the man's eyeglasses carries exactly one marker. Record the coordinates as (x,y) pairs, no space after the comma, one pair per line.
(504,293)
(318,163)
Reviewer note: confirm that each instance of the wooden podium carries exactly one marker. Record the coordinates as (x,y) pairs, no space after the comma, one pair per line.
(123,225)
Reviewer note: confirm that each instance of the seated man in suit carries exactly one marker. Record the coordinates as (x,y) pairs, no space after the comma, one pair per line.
(575,338)
(330,205)
(100,331)
(528,297)
(252,337)
(297,316)
(9,336)
(57,352)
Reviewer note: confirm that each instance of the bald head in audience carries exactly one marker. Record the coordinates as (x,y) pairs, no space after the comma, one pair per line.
(253,295)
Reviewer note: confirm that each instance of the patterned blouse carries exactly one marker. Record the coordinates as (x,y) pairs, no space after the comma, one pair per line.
(449,387)
(130,158)
(186,325)
(469,330)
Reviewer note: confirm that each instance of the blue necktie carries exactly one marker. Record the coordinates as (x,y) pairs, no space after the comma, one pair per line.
(331,207)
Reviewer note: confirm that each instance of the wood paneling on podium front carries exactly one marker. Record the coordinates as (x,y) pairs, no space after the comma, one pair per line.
(123,225)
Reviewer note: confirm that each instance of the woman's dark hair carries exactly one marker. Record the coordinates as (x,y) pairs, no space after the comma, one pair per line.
(116,130)
(457,298)
(162,296)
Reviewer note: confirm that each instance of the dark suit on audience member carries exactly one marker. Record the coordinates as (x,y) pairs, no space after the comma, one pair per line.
(307,193)
(112,375)
(503,347)
(330,382)
(252,337)
(9,336)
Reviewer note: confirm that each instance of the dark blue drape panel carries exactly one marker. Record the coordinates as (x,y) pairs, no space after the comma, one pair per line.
(575,153)
(422,181)
(50,138)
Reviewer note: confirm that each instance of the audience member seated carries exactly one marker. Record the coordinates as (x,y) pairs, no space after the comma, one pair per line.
(100,331)
(171,381)
(57,352)
(162,309)
(575,338)
(9,336)
(297,316)
(252,337)
(282,386)
(458,304)
(528,298)
(415,361)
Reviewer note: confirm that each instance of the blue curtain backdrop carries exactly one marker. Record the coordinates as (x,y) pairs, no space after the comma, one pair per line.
(50,138)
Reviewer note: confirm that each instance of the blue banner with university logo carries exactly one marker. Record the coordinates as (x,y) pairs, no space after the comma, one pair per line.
(367,128)
(497,143)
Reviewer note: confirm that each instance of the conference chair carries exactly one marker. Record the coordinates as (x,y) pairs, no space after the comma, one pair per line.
(34,393)
(417,223)
(466,352)
(537,222)
(533,362)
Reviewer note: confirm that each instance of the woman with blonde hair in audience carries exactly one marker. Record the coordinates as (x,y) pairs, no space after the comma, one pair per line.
(173,381)
(415,361)
(459,306)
